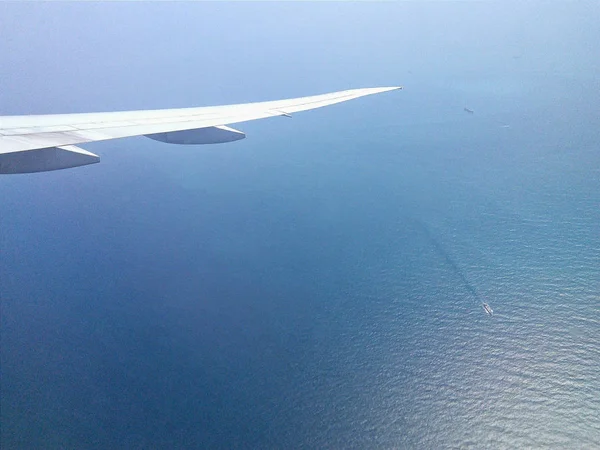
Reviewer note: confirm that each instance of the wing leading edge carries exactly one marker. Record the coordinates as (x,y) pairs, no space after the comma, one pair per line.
(47,142)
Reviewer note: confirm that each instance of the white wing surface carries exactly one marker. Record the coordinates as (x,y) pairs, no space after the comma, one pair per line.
(48,142)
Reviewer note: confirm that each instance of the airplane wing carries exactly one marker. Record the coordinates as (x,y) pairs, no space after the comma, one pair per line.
(49,142)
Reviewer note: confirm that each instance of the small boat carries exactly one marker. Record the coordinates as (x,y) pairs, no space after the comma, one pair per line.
(488,310)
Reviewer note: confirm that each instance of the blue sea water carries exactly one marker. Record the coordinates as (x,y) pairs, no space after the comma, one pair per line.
(319,284)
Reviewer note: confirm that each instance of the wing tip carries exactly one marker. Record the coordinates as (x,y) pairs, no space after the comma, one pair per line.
(379,90)
(391,88)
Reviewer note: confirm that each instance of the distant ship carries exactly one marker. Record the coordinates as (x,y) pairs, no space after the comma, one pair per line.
(470,111)
(488,310)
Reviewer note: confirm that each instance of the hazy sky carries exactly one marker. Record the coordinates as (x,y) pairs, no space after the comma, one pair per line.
(67,57)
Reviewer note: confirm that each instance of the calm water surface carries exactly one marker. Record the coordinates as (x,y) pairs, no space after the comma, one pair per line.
(319,285)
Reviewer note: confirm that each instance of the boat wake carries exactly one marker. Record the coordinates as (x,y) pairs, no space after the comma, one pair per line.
(453,265)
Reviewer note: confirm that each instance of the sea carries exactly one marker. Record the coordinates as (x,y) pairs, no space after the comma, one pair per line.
(320,283)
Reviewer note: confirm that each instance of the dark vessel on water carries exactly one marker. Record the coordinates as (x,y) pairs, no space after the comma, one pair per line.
(488,310)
